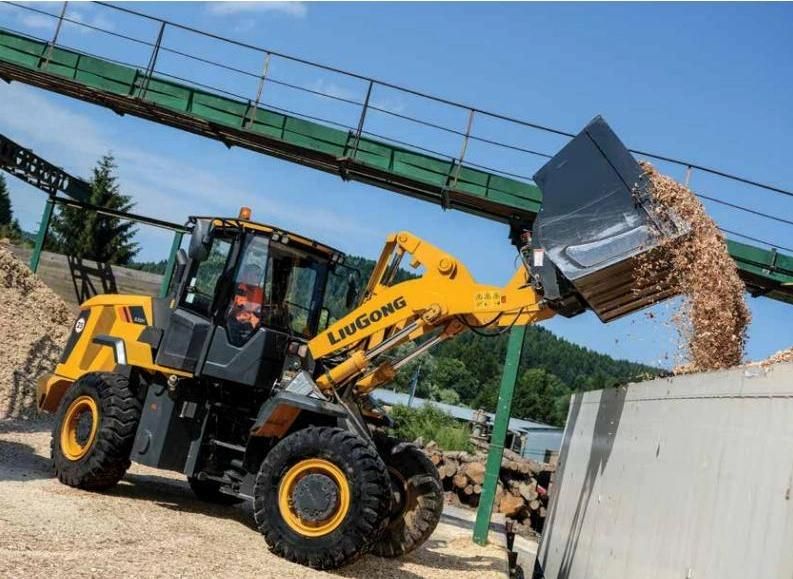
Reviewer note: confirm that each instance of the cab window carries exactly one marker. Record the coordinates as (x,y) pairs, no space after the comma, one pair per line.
(294,287)
(200,293)
(247,307)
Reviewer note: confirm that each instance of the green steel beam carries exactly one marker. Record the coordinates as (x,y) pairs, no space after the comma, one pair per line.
(496,451)
(169,268)
(29,167)
(345,153)
(44,226)
(349,154)
(766,273)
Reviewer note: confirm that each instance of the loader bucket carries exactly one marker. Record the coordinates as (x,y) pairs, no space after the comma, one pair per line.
(596,220)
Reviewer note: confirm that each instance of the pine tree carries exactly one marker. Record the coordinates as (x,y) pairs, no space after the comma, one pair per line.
(89,235)
(6,214)
(9,227)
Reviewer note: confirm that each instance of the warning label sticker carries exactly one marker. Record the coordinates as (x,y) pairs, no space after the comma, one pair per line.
(487,300)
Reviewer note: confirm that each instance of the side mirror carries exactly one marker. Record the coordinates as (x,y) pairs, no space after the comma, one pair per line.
(352,292)
(200,240)
(324,318)
(181,266)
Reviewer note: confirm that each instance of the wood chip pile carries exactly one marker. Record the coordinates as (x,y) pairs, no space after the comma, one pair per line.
(522,491)
(34,326)
(713,317)
(778,358)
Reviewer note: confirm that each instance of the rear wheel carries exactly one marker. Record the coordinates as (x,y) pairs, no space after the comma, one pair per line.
(94,431)
(321,497)
(418,498)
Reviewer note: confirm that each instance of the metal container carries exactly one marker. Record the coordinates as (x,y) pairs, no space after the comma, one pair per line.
(596,220)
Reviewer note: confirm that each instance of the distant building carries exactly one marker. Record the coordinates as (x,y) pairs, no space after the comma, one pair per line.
(526,437)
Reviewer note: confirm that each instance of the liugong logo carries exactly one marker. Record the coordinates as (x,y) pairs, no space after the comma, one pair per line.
(364,320)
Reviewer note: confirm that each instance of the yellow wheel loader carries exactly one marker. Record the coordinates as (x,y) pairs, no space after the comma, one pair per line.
(242,380)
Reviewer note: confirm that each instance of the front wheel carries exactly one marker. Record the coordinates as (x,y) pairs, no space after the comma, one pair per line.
(418,498)
(94,431)
(321,497)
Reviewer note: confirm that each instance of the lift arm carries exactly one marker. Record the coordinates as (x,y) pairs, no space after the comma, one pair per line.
(443,302)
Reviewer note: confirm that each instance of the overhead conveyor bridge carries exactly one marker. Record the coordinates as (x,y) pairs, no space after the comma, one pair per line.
(346,153)
(353,154)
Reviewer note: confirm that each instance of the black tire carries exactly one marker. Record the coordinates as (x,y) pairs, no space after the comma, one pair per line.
(418,498)
(209,491)
(106,457)
(368,491)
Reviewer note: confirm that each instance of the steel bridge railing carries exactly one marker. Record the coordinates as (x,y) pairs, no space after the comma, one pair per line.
(367,114)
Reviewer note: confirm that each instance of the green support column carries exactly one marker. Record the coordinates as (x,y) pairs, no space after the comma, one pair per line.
(166,278)
(44,226)
(496,450)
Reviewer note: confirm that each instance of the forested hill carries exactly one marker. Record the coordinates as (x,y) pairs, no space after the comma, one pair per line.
(467,369)
(570,362)
(551,369)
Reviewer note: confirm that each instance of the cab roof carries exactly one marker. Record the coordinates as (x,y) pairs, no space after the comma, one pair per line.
(272,230)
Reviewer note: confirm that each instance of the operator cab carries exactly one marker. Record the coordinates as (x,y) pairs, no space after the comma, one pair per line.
(242,293)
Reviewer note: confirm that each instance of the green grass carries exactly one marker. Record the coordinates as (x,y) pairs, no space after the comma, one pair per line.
(430,423)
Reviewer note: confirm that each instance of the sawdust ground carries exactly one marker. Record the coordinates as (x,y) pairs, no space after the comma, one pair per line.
(34,326)
(713,317)
(150,525)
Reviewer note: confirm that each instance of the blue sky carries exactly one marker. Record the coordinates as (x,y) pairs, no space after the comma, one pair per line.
(710,83)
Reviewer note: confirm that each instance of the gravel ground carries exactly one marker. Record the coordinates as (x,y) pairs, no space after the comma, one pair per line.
(151,526)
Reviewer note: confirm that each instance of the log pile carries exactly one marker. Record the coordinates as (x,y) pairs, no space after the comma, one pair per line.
(521,491)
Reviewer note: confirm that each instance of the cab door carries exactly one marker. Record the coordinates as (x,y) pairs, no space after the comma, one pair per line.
(243,349)
(191,322)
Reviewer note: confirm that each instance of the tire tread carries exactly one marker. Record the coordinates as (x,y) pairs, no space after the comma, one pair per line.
(368,512)
(119,413)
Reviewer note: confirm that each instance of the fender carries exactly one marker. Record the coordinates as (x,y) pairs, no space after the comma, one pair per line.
(280,411)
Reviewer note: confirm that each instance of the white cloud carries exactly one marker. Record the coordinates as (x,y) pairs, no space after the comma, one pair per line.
(39,21)
(162,186)
(96,20)
(244,25)
(78,139)
(295,9)
(332,89)
(391,104)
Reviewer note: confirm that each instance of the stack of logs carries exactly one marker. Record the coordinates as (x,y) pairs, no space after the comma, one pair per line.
(521,493)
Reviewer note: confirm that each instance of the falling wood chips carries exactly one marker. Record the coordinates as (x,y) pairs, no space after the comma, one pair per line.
(713,316)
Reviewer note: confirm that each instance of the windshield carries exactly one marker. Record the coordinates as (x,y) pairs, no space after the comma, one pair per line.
(294,284)
(275,286)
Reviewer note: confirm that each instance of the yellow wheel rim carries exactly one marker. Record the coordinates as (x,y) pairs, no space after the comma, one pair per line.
(289,483)
(76,438)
